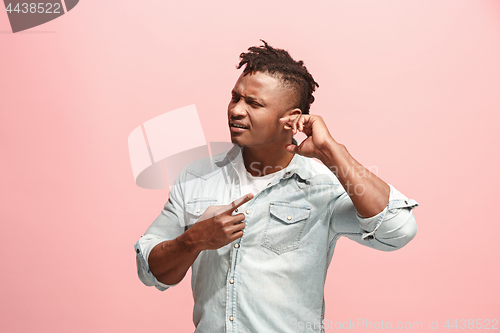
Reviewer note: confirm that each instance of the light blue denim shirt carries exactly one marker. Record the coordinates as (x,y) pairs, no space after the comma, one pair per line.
(272,278)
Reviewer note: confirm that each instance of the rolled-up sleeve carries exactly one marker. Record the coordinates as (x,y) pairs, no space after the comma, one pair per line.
(389,230)
(167,226)
(143,248)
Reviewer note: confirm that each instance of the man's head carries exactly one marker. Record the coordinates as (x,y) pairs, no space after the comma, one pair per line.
(272,85)
(279,64)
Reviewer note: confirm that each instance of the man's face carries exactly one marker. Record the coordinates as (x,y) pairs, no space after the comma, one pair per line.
(258,102)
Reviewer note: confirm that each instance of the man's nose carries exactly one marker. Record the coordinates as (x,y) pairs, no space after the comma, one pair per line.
(238,109)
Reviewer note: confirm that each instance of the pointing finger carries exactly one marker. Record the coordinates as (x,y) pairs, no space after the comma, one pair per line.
(238,202)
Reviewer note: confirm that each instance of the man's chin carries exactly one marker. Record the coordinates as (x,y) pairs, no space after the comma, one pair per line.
(235,141)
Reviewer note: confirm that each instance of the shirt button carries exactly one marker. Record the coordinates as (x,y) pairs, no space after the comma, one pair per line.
(248,212)
(231,281)
(236,210)
(406,202)
(289,218)
(199,210)
(137,250)
(231,318)
(236,245)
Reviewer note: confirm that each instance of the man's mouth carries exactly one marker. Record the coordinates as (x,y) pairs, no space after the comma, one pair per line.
(234,125)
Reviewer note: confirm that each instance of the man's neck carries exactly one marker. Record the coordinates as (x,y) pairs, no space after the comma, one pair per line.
(261,162)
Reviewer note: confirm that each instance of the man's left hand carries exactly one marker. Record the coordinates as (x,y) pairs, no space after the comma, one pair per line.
(318,136)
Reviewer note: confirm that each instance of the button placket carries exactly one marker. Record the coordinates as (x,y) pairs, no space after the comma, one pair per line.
(231,288)
(231,291)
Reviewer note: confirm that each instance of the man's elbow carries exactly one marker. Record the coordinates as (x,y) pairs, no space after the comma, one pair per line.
(402,235)
(409,229)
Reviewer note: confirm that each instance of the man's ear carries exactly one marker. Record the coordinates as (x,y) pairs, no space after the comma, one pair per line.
(294,112)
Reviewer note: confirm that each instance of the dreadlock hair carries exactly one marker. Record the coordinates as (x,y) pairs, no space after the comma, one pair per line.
(279,63)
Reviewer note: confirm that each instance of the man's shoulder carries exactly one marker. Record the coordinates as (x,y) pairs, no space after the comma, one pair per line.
(207,166)
(319,168)
(316,172)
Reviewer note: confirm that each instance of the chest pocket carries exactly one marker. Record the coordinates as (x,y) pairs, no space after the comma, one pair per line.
(196,207)
(284,228)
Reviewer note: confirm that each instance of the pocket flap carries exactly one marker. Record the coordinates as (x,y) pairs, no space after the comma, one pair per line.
(289,213)
(198,206)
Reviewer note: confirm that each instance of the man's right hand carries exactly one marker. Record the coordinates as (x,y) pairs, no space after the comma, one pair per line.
(217,226)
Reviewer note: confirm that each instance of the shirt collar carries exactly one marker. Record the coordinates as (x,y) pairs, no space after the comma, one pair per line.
(299,165)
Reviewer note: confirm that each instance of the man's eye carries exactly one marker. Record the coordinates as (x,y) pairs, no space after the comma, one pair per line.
(235,99)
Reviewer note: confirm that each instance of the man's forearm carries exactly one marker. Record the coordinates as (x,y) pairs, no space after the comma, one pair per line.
(170,260)
(369,193)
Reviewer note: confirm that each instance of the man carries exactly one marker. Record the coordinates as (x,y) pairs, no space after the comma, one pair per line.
(259,261)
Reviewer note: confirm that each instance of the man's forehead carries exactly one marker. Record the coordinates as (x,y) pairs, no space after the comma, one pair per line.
(261,83)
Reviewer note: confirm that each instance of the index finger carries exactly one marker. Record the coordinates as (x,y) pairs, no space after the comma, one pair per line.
(290,122)
(287,119)
(238,202)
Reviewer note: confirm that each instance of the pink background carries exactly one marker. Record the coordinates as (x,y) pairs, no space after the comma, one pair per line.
(410,87)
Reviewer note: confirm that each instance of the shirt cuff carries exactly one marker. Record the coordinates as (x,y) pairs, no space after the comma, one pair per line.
(143,248)
(397,201)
